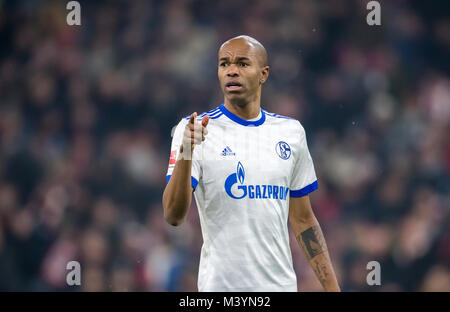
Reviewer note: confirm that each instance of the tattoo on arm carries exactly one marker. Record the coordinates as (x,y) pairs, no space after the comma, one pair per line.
(321,272)
(312,242)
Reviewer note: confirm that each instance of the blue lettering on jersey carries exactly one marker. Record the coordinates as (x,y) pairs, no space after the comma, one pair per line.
(275,191)
(258,191)
(253,191)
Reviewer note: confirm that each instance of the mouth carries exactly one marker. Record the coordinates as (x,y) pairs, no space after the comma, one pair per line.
(233,86)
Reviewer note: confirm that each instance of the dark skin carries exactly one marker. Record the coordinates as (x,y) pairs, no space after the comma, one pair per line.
(243,63)
(244,60)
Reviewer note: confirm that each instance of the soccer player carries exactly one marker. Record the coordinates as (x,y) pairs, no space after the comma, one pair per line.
(252,173)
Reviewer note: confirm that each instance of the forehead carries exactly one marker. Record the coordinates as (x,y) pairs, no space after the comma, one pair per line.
(237,48)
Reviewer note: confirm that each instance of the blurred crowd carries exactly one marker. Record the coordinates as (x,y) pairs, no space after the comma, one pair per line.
(86,114)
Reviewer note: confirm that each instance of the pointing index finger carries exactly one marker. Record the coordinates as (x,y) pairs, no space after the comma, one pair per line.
(193,116)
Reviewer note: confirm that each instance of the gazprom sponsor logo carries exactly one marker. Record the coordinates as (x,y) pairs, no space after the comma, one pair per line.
(253,191)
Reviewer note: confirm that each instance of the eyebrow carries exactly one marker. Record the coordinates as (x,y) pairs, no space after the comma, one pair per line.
(242,58)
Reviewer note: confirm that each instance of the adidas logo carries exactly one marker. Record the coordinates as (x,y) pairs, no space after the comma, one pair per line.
(227,152)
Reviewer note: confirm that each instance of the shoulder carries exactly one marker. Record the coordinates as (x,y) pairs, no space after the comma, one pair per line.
(290,122)
(280,119)
(277,116)
(291,127)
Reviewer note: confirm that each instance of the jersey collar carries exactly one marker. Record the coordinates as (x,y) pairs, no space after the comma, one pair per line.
(241,121)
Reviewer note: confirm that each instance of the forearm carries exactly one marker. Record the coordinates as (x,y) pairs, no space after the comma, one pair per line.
(177,196)
(310,238)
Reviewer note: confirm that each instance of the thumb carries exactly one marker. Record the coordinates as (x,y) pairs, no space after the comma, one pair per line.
(205,121)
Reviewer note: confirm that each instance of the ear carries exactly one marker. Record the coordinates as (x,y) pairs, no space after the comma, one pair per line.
(264,74)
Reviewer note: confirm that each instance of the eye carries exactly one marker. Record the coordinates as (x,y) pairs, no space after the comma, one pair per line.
(243,64)
(223,64)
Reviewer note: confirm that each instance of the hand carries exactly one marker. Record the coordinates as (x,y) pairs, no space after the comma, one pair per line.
(194,133)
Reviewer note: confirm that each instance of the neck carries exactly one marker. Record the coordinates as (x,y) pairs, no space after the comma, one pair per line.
(245,109)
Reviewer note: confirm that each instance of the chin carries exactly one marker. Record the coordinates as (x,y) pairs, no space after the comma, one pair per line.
(235,94)
(238,99)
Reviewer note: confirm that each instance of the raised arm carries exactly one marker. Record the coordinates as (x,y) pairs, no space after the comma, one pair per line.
(177,195)
(310,238)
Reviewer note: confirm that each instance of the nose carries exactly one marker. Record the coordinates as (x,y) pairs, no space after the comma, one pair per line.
(232,71)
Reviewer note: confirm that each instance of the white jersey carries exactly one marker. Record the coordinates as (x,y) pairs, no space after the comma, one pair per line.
(243,175)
